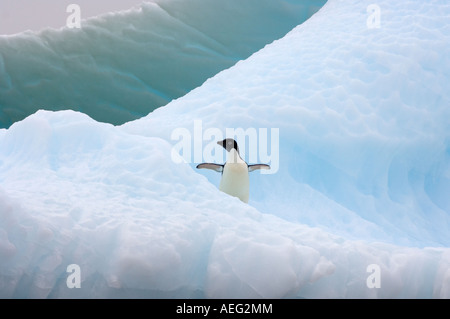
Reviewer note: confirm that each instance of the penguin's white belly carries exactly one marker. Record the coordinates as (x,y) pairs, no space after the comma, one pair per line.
(235,181)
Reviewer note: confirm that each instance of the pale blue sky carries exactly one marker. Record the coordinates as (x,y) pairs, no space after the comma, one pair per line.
(20,15)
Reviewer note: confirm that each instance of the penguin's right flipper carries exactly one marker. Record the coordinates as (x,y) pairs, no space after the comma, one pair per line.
(214,167)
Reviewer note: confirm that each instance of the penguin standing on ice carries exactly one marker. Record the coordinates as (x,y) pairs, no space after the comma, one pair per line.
(235,181)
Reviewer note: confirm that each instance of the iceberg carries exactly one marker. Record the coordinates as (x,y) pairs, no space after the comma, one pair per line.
(121,66)
(357,208)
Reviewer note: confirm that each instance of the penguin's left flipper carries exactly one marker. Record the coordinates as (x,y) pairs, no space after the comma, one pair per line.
(254,167)
(214,167)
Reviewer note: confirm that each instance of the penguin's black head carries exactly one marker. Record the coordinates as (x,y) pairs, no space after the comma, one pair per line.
(229,144)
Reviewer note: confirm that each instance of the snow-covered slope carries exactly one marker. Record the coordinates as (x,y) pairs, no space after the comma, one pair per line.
(121,66)
(357,205)
(363,117)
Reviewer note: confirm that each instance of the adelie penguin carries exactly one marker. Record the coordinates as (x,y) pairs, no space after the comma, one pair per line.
(235,181)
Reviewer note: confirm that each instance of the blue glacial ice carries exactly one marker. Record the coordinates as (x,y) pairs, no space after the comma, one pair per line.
(363,176)
(121,66)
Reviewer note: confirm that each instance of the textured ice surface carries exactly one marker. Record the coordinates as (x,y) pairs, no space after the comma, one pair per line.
(363,115)
(363,180)
(121,66)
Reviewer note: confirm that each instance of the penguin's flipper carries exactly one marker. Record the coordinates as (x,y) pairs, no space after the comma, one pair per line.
(214,167)
(254,167)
